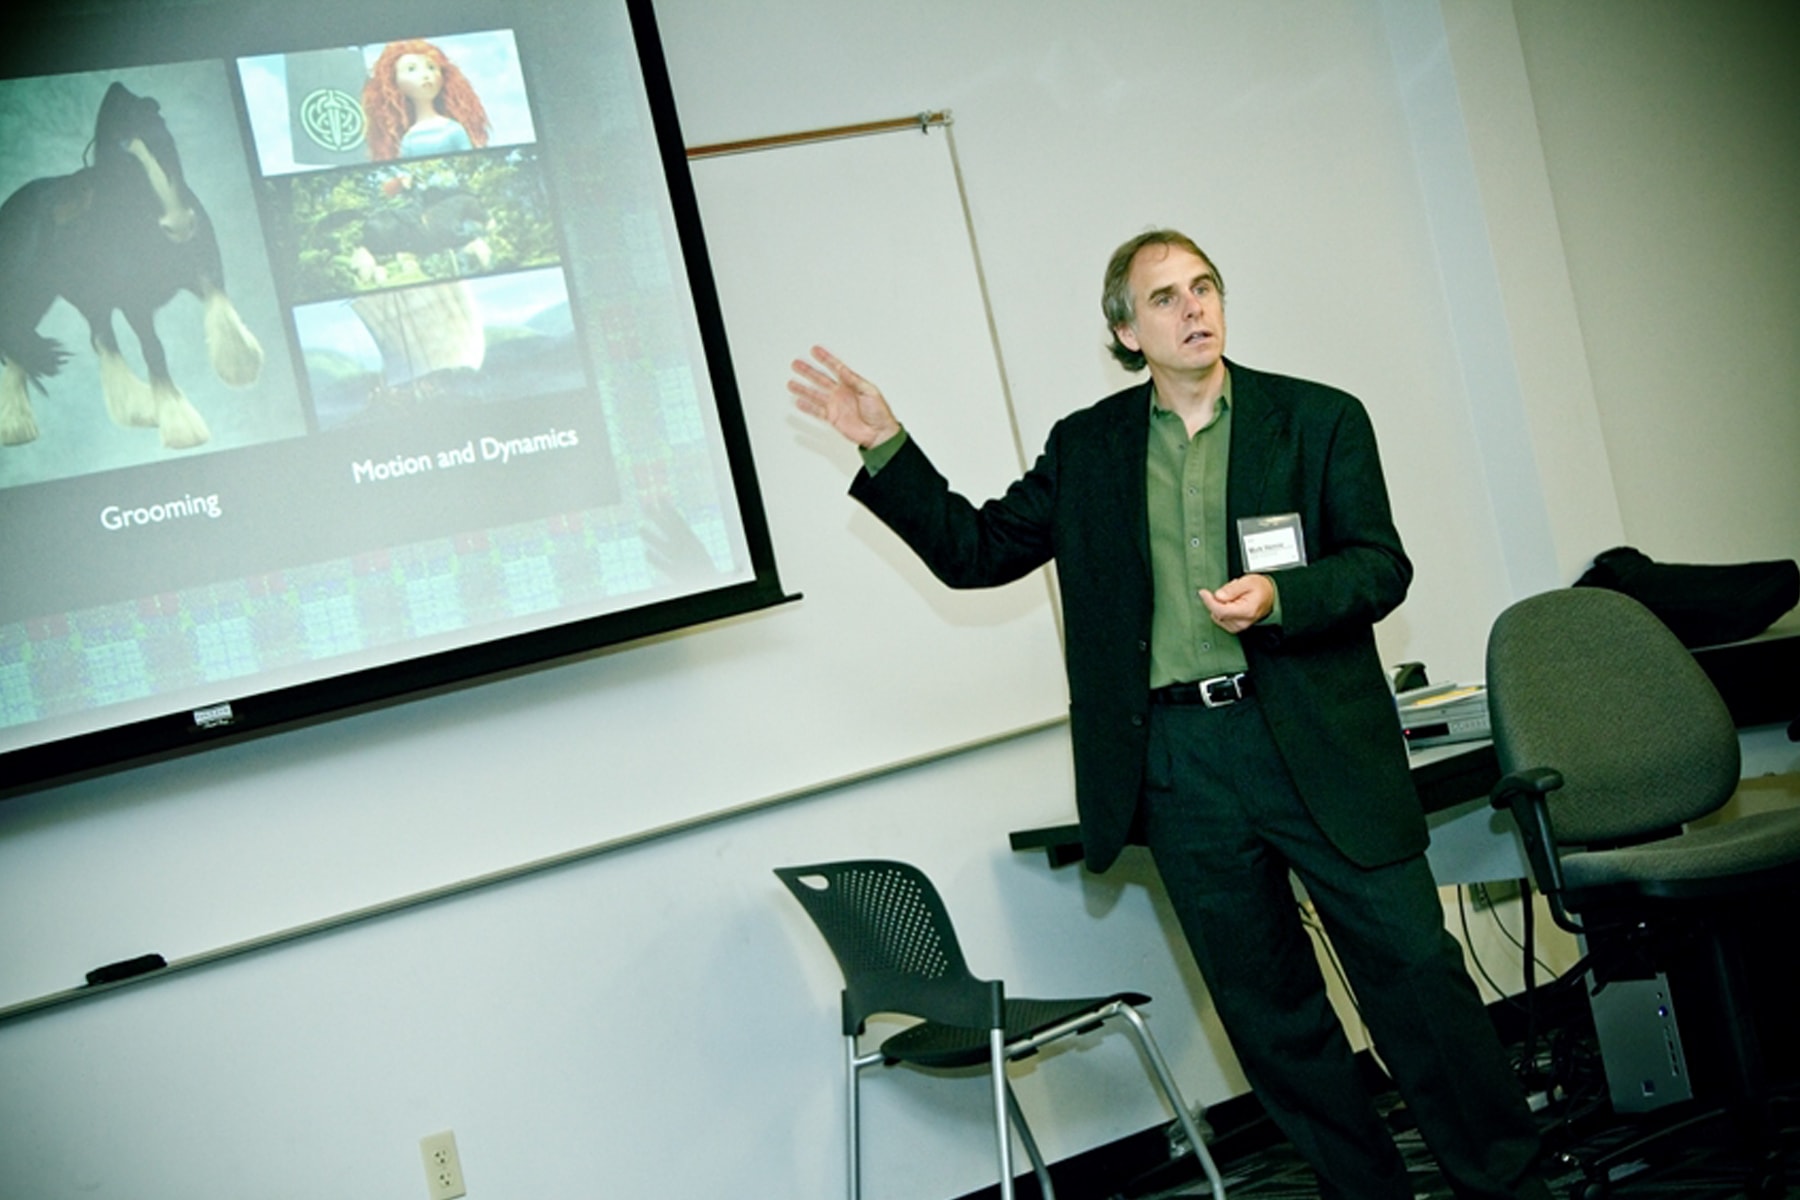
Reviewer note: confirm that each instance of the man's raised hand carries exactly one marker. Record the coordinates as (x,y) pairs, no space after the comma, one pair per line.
(842,399)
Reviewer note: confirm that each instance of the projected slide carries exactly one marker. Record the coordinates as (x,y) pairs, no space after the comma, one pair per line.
(346,338)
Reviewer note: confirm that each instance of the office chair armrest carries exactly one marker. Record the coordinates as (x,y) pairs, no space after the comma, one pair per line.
(1534,781)
(1525,795)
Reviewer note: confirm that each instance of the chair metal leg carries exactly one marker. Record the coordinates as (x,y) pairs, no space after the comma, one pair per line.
(853,1133)
(1008,1115)
(1134,1021)
(1038,1166)
(1002,1132)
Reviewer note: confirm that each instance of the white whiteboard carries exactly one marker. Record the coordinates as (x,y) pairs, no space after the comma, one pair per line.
(858,244)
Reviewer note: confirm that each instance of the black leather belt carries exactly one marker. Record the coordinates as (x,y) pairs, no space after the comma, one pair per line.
(1216,692)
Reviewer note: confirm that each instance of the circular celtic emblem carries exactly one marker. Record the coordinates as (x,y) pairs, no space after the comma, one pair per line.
(333,119)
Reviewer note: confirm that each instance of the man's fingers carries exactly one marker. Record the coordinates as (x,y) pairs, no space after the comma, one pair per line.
(812,374)
(817,393)
(1243,587)
(842,370)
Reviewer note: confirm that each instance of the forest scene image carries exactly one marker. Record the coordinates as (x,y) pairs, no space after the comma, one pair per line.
(414,221)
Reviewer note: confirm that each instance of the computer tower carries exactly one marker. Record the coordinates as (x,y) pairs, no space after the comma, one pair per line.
(1640,1043)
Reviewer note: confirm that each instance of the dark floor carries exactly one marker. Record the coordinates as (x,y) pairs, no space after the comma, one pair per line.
(1690,1166)
(1589,1145)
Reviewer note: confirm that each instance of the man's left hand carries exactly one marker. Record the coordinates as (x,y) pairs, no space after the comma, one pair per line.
(1241,603)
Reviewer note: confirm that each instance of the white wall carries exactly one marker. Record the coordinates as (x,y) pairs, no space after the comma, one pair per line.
(660,1023)
(1671,143)
(1404,199)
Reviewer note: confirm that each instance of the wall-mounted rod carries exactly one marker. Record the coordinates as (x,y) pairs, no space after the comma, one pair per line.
(921,122)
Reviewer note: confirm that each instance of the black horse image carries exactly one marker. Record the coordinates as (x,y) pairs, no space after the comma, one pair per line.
(123,234)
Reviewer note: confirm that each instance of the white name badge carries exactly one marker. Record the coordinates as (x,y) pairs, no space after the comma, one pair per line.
(1272,543)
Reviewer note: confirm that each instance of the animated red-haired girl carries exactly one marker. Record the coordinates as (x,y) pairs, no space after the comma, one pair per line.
(417,101)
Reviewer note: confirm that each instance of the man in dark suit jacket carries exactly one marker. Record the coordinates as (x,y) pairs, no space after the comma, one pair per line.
(1224,547)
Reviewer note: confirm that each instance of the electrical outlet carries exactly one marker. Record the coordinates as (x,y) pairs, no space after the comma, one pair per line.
(443,1169)
(1483,896)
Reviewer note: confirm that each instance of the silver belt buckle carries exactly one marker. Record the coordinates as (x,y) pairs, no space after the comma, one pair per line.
(1235,682)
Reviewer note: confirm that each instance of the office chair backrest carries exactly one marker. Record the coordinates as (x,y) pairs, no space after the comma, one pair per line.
(1591,683)
(893,940)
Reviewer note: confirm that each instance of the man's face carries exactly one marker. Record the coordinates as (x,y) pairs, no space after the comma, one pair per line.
(1178,313)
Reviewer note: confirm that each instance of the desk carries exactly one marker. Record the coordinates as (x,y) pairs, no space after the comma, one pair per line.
(1758,677)
(1759,680)
(1453,782)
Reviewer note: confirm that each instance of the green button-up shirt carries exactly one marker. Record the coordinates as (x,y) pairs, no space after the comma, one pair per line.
(1185,493)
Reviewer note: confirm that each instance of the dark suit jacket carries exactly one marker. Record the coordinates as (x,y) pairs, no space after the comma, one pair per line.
(1296,447)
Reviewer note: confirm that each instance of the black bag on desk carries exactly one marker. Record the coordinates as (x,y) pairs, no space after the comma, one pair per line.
(1703,605)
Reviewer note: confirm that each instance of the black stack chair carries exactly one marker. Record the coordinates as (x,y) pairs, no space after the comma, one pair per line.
(894,942)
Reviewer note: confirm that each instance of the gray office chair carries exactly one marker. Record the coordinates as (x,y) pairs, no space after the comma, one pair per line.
(893,940)
(1612,739)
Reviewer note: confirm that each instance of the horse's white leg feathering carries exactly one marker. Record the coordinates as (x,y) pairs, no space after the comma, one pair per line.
(181,424)
(128,398)
(236,354)
(17,424)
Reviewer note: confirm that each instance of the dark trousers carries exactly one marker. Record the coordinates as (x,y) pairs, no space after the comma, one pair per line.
(1225,826)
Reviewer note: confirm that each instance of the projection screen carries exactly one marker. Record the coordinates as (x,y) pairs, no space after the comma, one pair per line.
(349,350)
